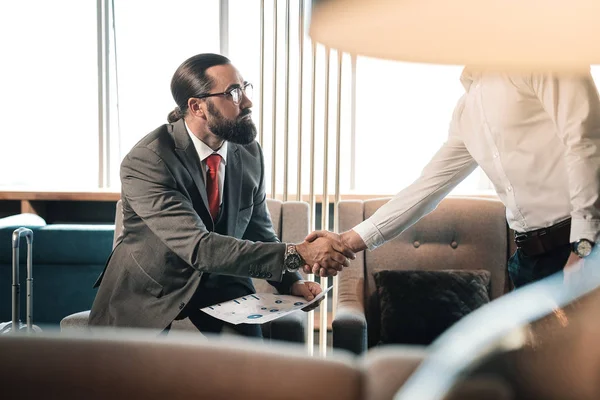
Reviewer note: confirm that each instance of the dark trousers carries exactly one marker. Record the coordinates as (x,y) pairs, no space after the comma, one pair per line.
(207,324)
(206,296)
(524,269)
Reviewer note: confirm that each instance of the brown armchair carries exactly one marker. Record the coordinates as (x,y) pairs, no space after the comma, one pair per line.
(463,233)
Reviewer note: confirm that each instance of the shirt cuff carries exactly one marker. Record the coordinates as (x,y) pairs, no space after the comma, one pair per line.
(585,229)
(369,234)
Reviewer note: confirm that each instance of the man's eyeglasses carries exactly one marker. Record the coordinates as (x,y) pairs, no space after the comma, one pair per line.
(235,93)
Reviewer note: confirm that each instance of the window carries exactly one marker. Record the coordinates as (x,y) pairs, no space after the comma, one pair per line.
(245,46)
(402,118)
(49,96)
(402,113)
(152,40)
(49,100)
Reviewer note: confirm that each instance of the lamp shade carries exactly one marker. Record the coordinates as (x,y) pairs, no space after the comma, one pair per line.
(506,34)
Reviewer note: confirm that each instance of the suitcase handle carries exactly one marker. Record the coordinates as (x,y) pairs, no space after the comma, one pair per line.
(16,241)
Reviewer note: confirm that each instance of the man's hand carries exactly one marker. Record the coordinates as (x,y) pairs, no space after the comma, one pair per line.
(572,269)
(348,240)
(308,290)
(326,252)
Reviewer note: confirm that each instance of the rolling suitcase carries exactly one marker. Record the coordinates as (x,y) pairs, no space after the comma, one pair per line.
(15,325)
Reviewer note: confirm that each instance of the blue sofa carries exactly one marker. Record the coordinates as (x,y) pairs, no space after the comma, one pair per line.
(67,260)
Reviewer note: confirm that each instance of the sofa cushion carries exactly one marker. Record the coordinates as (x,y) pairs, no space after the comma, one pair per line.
(417,306)
(22,220)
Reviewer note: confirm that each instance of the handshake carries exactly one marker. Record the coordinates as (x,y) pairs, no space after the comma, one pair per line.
(326,253)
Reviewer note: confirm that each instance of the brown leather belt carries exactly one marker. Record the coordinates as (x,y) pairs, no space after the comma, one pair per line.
(543,240)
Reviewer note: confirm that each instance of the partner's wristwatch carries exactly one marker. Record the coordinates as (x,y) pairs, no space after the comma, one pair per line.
(292,261)
(582,247)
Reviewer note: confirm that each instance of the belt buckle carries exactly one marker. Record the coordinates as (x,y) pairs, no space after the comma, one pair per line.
(519,239)
(542,232)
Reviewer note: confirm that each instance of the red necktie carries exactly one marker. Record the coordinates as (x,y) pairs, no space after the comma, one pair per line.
(212,184)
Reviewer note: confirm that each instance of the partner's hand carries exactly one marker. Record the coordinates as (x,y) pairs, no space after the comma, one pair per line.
(573,269)
(349,240)
(308,290)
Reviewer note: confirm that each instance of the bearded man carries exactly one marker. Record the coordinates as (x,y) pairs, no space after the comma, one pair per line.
(196,226)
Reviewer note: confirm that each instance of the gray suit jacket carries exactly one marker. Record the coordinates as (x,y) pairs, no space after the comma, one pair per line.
(167,241)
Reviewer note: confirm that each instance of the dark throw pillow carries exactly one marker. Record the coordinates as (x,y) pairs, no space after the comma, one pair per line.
(417,306)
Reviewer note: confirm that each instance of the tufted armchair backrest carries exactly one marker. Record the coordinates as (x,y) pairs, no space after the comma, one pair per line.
(463,233)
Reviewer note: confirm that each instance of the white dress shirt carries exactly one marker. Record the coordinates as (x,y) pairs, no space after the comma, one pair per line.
(537,137)
(203,152)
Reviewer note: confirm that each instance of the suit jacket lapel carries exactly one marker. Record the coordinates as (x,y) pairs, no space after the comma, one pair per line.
(189,157)
(233,186)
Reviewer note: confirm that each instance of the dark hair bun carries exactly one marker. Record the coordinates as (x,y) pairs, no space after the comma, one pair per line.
(174,115)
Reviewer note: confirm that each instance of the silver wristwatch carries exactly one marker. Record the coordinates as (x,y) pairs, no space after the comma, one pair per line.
(582,247)
(292,260)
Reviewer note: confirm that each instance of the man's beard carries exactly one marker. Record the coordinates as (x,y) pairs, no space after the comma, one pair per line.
(240,131)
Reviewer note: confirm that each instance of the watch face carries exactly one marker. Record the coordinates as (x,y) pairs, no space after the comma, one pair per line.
(293,262)
(584,248)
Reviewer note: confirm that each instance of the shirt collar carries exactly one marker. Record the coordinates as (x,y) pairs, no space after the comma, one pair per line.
(202,148)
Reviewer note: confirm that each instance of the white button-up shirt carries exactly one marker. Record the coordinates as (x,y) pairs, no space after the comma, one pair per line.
(204,151)
(537,137)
